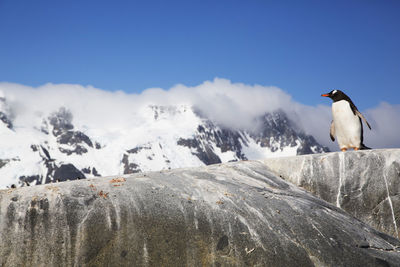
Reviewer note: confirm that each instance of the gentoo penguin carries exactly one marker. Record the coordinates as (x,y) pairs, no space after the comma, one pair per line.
(346,124)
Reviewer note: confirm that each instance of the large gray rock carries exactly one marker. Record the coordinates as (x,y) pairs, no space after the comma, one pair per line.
(364,183)
(236,214)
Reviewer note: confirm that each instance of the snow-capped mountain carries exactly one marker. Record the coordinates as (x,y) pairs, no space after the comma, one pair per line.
(52,148)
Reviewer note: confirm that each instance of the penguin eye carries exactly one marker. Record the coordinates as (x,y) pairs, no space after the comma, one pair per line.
(334,92)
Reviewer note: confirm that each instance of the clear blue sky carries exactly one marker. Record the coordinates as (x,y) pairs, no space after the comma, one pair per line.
(303,47)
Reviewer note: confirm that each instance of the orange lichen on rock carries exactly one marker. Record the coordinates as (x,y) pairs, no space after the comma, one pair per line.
(103,194)
(117,180)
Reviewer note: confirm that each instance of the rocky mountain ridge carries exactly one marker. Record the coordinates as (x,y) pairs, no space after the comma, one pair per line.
(163,137)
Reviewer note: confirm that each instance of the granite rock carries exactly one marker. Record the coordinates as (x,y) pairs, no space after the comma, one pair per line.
(233,214)
(364,183)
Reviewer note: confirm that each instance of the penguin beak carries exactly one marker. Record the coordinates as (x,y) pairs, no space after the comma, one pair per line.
(327,95)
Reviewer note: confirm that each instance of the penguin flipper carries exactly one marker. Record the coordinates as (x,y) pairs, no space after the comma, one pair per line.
(332,131)
(363,118)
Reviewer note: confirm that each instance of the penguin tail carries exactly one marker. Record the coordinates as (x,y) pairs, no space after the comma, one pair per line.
(364,147)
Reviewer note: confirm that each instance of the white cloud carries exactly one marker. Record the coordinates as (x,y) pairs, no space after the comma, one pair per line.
(385,123)
(231,104)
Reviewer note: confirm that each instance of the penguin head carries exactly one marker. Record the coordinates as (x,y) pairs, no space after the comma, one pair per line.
(336,95)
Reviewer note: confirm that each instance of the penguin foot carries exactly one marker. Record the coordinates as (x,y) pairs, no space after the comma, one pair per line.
(356,148)
(343,149)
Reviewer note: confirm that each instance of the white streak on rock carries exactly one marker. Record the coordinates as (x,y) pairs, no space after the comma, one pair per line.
(196,221)
(391,205)
(342,172)
(145,255)
(253,233)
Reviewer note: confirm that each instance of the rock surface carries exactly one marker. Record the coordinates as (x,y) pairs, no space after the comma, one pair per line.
(364,183)
(234,214)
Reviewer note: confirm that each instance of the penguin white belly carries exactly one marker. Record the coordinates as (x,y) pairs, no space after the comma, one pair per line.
(347,125)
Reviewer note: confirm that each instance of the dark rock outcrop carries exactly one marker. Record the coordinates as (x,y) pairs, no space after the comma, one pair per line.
(278,131)
(4,118)
(6,114)
(3,162)
(235,214)
(364,183)
(201,149)
(129,167)
(76,141)
(67,172)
